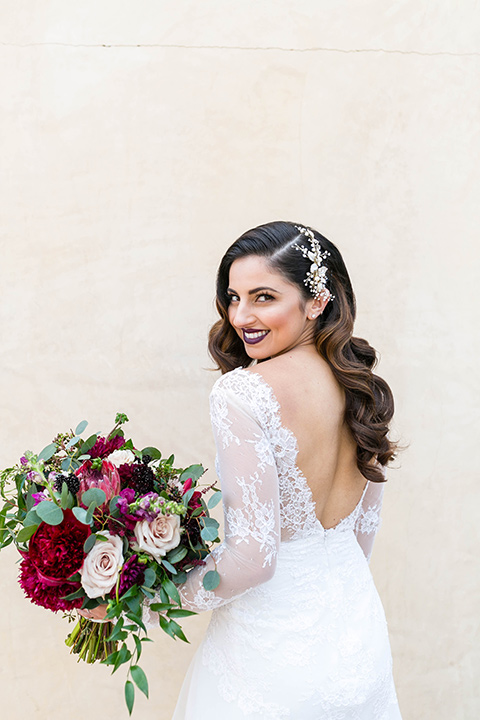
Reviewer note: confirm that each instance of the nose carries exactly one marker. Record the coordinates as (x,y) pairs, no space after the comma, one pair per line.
(241,315)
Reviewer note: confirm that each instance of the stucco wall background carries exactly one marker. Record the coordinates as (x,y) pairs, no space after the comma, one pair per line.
(137,141)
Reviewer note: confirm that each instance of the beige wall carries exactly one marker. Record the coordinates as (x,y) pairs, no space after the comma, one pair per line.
(137,140)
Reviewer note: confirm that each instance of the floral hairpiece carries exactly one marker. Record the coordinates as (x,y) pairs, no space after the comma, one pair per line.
(316,279)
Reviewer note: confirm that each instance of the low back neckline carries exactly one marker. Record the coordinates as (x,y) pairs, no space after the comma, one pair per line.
(351,516)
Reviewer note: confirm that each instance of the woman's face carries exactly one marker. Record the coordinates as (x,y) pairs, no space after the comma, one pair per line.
(269,313)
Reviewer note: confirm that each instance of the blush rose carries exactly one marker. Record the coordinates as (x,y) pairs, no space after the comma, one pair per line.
(158,536)
(100,568)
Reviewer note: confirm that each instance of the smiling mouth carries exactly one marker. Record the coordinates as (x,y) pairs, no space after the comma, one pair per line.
(252,337)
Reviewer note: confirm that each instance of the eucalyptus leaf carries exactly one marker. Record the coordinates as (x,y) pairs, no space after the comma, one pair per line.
(154,453)
(169,566)
(113,503)
(47,452)
(177,554)
(180,577)
(188,496)
(210,522)
(88,444)
(150,577)
(66,462)
(94,496)
(72,442)
(90,511)
(211,580)
(209,534)
(49,512)
(193,471)
(26,533)
(64,496)
(81,515)
(89,543)
(81,427)
(214,500)
(31,518)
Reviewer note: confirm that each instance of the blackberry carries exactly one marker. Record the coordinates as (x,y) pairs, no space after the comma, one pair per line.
(146,459)
(71,481)
(142,479)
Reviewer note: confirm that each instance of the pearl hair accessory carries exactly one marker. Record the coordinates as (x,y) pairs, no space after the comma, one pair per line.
(316,279)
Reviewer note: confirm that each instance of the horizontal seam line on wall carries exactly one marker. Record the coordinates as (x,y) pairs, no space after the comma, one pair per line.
(239,47)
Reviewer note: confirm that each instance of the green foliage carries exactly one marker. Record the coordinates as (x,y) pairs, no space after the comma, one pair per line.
(214,500)
(49,512)
(211,580)
(47,452)
(140,679)
(129,695)
(81,427)
(26,533)
(81,515)
(94,496)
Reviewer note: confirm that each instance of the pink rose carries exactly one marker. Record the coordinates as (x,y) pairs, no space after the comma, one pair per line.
(158,536)
(101,566)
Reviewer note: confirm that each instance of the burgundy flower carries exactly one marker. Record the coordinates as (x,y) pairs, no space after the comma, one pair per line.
(55,553)
(57,550)
(43,593)
(104,447)
(132,573)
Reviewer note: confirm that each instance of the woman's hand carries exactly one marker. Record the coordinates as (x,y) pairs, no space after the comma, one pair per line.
(97,614)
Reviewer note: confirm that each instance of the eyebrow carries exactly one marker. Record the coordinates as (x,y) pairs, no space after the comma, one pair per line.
(255,290)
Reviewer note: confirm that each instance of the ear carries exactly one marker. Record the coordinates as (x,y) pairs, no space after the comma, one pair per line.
(318,305)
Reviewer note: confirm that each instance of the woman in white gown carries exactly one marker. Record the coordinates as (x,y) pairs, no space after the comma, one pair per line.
(297,630)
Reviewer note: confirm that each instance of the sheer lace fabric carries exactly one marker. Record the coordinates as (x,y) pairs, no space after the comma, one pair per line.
(298,630)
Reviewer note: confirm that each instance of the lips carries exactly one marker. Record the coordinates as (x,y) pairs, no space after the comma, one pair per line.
(252,337)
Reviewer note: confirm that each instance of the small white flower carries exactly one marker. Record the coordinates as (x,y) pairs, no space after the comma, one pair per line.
(121,457)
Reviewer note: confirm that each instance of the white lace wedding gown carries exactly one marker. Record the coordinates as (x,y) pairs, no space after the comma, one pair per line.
(297,630)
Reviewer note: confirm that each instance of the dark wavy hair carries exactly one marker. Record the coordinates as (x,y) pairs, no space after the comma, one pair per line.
(369,402)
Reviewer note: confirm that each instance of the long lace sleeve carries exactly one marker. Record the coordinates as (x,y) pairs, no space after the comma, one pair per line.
(368,520)
(248,477)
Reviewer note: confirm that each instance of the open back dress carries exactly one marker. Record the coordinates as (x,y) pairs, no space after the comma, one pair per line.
(298,630)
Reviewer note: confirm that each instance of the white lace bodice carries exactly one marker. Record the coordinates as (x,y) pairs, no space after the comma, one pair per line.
(266,498)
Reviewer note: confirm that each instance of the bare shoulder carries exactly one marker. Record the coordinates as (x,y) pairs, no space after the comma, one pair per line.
(301,379)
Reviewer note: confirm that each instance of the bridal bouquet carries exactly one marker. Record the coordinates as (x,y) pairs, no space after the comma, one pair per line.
(97,522)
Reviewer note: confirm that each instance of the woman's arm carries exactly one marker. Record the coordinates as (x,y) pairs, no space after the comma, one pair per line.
(249,481)
(368,520)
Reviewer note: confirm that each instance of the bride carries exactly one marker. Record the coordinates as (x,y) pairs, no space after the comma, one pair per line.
(300,422)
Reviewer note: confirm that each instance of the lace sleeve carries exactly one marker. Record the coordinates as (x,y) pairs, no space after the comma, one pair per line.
(368,520)
(248,477)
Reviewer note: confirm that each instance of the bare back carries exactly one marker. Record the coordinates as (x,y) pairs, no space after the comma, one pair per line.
(312,407)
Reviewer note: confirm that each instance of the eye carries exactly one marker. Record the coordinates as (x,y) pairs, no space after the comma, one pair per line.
(231,297)
(266,297)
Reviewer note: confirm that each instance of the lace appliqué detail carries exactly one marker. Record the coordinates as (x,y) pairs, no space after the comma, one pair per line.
(297,508)
(253,520)
(369,520)
(220,419)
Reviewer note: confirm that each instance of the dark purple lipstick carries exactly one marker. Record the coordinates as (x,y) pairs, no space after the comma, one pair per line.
(252,337)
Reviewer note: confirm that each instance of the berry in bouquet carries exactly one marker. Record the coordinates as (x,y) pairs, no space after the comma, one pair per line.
(100,523)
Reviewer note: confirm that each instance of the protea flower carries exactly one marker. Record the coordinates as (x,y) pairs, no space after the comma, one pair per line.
(106,479)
